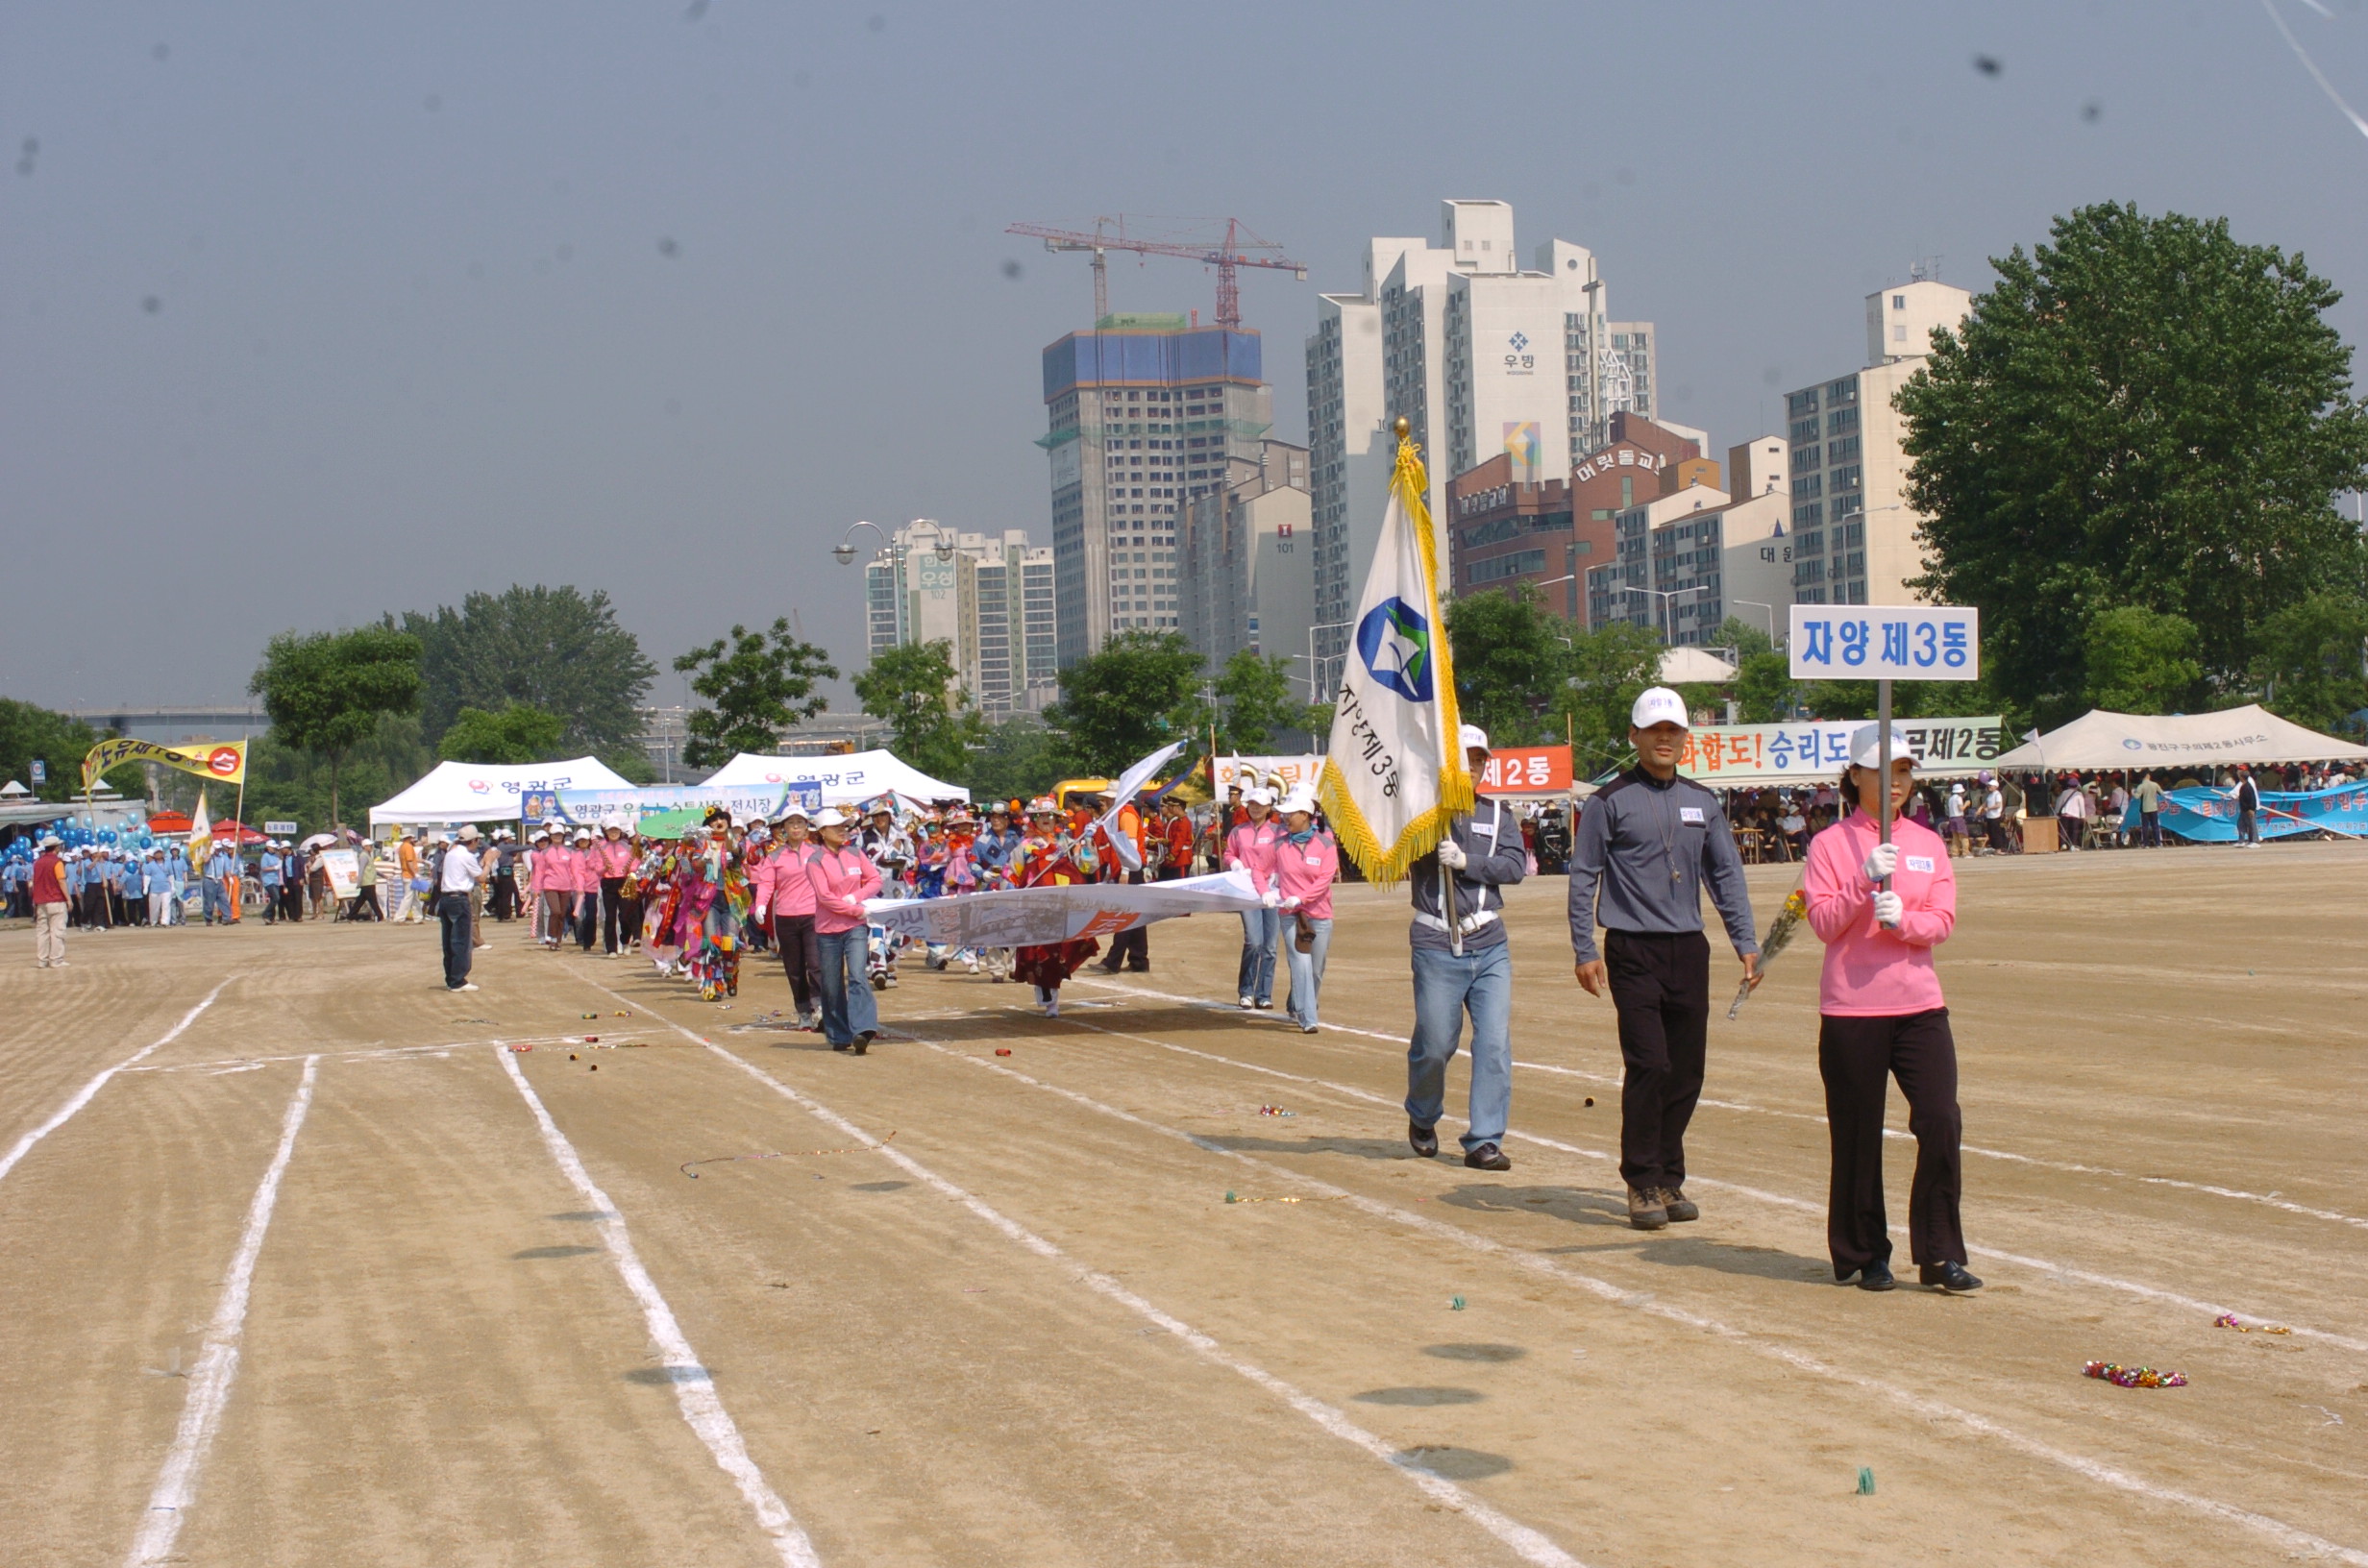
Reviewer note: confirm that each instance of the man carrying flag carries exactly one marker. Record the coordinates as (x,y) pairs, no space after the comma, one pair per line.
(1398,791)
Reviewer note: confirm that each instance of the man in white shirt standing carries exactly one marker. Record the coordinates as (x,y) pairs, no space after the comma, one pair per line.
(457,874)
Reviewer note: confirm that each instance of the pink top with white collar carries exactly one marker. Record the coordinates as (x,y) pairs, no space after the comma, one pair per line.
(1869,971)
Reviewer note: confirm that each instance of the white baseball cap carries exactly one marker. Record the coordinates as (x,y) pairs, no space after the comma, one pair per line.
(1659,705)
(1303,799)
(1867,745)
(1258,797)
(1472,737)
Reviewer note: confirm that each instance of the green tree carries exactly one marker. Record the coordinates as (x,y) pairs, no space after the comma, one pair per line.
(555,648)
(1763,689)
(287,781)
(28,732)
(1132,698)
(1610,666)
(755,689)
(2310,665)
(518,733)
(1017,759)
(327,691)
(1513,659)
(2143,412)
(929,716)
(2139,660)
(1258,705)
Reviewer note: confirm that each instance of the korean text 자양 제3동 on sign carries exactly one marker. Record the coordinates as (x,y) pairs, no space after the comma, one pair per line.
(1885,641)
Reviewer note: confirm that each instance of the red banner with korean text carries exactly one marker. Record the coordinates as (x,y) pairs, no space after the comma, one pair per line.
(1525,770)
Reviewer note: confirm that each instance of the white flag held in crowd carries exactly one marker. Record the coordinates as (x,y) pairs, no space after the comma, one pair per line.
(1396,777)
(1122,794)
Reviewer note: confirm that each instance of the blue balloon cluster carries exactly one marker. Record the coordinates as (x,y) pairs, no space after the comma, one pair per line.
(80,833)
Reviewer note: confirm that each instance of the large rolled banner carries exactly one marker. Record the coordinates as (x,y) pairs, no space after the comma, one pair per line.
(1043,915)
(1814,752)
(225,761)
(661,811)
(2209,816)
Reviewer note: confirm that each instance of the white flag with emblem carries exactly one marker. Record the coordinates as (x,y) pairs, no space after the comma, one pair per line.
(1395,778)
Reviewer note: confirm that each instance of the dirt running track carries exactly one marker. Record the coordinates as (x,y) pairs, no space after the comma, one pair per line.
(331,1274)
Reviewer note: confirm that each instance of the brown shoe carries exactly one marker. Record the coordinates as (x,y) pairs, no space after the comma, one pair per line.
(1681,1208)
(1645,1210)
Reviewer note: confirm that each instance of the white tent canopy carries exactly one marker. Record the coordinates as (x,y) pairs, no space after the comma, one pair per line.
(484,792)
(1684,666)
(844,780)
(2109,741)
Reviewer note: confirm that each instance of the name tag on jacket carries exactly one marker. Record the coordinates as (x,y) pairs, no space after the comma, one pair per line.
(1919,863)
(1689,813)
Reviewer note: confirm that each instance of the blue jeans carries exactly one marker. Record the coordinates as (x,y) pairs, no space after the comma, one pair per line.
(848,1008)
(1261,928)
(452,913)
(1445,986)
(1306,968)
(217,900)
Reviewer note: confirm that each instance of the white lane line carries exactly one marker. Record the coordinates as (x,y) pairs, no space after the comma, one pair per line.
(66,1113)
(217,1363)
(366,1053)
(2271,1200)
(1526,1543)
(702,1409)
(2293,1537)
(2059,1271)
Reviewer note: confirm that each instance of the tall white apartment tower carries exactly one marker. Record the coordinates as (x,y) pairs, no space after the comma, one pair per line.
(1479,354)
(988,596)
(1854,536)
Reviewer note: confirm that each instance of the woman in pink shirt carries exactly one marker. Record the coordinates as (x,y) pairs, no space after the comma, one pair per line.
(1881,909)
(1250,847)
(842,878)
(784,889)
(1306,862)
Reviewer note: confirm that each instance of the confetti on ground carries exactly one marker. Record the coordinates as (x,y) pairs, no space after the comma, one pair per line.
(1334,1197)
(1003,1050)
(521,1048)
(1867,1481)
(779,1154)
(591,1015)
(2228,1320)
(1276,1111)
(2135,1377)
(1455,1304)
(1590,1100)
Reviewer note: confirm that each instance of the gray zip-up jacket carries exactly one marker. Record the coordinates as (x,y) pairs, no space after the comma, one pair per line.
(1490,838)
(1649,846)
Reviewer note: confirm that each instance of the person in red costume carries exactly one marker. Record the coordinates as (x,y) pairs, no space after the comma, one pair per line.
(1050,858)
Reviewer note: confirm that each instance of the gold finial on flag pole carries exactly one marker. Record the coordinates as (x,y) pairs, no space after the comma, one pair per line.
(1401,427)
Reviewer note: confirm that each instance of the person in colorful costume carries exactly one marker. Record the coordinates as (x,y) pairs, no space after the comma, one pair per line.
(1050,858)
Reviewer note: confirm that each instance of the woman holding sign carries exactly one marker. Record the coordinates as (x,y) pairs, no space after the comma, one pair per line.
(1881,901)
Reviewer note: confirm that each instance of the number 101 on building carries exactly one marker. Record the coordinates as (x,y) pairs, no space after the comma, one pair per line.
(1885,641)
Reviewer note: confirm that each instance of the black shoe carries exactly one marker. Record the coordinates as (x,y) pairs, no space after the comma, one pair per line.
(1949,1277)
(841,1046)
(1425,1139)
(863,1040)
(1876,1276)
(1487,1157)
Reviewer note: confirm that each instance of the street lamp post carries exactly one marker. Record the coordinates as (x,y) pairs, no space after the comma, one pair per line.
(844,552)
(1664,596)
(1771,618)
(1315,665)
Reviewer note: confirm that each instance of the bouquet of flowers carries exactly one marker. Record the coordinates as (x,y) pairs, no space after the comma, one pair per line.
(1779,937)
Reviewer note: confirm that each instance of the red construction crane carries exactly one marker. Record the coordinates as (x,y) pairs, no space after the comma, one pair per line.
(1110,235)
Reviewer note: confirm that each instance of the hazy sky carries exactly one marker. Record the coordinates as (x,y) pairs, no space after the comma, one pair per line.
(309,312)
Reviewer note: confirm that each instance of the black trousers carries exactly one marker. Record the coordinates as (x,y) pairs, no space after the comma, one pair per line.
(504,904)
(1131,949)
(802,957)
(1661,985)
(2247,827)
(612,907)
(459,921)
(1856,1056)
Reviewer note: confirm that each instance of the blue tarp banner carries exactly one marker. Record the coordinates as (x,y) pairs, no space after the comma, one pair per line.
(2209,816)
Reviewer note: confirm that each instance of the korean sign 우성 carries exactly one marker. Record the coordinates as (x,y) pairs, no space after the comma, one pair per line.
(1885,641)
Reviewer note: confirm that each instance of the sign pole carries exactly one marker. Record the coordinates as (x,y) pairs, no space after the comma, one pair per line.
(1882,726)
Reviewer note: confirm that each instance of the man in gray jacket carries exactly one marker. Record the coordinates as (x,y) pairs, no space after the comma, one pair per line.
(1649,840)
(1463,964)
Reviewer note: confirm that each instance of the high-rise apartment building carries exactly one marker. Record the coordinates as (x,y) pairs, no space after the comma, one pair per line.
(1854,536)
(1246,562)
(1479,355)
(1144,412)
(1689,558)
(990,597)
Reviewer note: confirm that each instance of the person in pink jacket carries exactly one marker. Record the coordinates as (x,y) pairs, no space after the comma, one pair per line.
(554,888)
(842,878)
(612,858)
(1881,909)
(1251,847)
(788,892)
(1306,864)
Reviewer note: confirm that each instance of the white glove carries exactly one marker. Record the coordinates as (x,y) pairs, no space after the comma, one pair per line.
(1290,906)
(1881,861)
(1888,910)
(1452,854)
(1270,898)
